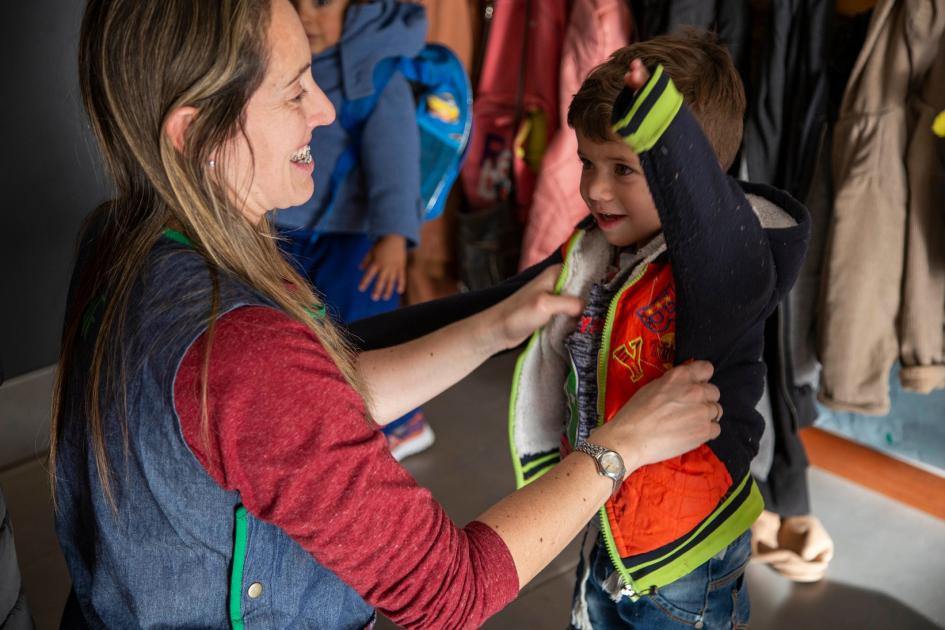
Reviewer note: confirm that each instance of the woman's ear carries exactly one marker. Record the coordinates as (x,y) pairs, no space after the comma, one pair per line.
(176,124)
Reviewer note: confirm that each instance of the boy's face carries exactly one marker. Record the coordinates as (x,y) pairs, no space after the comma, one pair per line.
(323,21)
(615,190)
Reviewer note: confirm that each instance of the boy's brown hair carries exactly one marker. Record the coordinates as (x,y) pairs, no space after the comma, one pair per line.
(703,72)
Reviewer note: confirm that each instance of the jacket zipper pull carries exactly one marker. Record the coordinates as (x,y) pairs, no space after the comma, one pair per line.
(628,591)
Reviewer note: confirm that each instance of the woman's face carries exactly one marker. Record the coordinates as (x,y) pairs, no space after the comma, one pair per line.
(269,166)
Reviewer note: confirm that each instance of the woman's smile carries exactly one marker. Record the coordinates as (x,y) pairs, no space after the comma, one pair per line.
(303,160)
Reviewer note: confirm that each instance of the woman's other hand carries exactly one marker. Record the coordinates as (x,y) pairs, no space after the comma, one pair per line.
(667,417)
(386,266)
(530,308)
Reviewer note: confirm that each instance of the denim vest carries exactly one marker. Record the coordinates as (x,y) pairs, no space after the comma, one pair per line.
(180,551)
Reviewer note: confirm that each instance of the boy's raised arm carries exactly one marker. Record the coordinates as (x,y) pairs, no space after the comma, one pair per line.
(722,262)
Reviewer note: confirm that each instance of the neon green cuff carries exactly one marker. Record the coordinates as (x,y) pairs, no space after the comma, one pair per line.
(641,118)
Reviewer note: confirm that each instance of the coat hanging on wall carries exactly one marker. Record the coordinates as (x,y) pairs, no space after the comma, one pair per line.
(884,277)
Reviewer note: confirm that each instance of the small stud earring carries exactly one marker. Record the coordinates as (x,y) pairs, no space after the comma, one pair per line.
(212,163)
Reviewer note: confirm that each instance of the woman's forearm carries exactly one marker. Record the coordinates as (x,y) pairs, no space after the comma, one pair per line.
(410,322)
(402,377)
(539,520)
(665,418)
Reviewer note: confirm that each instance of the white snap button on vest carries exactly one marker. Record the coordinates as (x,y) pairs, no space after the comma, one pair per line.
(255,590)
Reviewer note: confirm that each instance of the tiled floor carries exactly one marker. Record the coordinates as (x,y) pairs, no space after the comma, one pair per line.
(889,571)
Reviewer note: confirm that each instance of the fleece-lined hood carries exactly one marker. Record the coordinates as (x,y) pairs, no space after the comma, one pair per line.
(786,221)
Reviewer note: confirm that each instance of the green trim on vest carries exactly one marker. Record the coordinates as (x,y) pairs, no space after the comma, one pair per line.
(657,119)
(88,318)
(236,575)
(317,314)
(179,237)
(240,517)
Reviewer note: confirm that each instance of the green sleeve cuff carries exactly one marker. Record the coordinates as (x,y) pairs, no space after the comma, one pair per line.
(640,118)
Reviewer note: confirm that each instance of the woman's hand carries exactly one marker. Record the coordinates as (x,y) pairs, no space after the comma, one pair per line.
(404,376)
(667,417)
(386,265)
(512,320)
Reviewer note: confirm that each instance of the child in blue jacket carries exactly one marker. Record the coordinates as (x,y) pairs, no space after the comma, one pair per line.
(357,256)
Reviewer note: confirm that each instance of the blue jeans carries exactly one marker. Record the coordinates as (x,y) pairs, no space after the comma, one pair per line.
(714,596)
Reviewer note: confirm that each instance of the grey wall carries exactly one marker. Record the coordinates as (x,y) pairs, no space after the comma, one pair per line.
(50,176)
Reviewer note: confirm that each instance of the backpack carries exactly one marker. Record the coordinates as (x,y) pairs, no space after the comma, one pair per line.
(444,118)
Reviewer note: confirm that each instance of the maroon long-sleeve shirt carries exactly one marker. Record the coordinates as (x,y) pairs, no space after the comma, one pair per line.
(293,438)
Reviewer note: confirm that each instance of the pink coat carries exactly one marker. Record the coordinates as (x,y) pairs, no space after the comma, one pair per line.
(596,29)
(500,133)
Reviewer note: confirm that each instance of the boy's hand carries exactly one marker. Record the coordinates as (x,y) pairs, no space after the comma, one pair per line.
(386,265)
(636,76)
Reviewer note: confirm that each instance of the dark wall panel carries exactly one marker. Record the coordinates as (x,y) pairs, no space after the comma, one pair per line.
(51,176)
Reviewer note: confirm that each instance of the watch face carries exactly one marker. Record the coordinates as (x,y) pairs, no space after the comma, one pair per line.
(611,463)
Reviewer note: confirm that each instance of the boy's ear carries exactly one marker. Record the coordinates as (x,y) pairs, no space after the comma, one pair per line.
(177,123)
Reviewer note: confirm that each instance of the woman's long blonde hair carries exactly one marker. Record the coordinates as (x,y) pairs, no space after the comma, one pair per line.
(139,61)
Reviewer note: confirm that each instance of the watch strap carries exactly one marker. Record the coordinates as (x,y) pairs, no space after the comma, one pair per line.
(596,451)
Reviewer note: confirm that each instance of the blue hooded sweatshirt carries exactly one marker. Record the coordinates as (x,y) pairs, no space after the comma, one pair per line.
(382,193)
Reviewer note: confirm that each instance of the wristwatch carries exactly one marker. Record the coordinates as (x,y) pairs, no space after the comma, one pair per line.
(609,463)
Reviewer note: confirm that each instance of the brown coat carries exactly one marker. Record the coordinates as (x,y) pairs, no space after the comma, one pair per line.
(883,294)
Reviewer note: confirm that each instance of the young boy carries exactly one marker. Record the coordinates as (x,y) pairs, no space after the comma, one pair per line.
(677,261)
(359,256)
